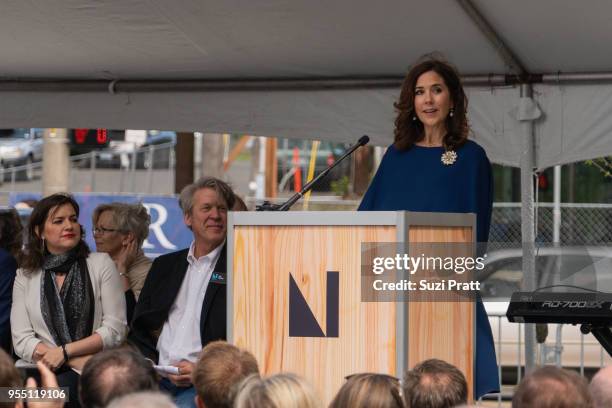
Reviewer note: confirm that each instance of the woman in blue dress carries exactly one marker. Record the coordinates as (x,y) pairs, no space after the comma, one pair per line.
(433,167)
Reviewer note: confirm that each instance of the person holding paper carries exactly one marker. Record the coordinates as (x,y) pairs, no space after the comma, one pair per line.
(433,167)
(182,306)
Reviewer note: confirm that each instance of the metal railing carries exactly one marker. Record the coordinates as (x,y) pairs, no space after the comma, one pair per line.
(146,170)
(581,224)
(565,347)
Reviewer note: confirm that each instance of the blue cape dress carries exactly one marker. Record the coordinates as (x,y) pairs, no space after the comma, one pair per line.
(417,180)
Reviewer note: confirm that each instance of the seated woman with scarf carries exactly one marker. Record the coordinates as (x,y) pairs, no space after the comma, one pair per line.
(67,302)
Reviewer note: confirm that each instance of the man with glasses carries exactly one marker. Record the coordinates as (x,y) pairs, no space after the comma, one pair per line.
(182,306)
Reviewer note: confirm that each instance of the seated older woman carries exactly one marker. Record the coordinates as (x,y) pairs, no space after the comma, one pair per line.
(67,302)
(119,230)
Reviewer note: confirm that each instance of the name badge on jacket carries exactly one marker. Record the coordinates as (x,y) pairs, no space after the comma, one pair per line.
(218,278)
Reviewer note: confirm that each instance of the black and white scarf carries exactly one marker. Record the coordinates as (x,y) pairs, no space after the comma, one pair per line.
(68,313)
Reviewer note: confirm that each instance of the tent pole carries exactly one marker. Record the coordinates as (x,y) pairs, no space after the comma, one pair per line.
(557,206)
(510,57)
(289,84)
(528,223)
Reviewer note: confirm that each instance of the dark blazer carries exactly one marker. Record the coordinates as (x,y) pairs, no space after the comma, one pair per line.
(8,266)
(158,295)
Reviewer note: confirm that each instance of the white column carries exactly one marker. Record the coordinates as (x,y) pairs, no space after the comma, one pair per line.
(56,162)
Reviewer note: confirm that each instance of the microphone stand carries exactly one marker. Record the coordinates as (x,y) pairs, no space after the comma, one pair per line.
(268,206)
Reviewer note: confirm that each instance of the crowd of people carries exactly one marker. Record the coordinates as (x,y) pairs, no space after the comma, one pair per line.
(226,376)
(99,323)
(116,329)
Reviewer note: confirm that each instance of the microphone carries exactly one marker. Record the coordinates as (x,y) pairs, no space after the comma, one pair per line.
(267,206)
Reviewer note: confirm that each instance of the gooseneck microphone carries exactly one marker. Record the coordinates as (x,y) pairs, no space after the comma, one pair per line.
(267,206)
(363,140)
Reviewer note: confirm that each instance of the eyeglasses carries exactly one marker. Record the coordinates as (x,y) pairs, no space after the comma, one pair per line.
(102,230)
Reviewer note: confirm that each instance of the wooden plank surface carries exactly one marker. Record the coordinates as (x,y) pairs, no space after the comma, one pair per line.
(443,330)
(263,259)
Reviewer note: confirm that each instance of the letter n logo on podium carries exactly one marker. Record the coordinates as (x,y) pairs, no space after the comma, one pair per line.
(302,322)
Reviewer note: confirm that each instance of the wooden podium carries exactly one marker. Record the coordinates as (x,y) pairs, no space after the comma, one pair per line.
(294,296)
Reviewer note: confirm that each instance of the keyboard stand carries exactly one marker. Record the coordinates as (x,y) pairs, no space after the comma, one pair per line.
(602,334)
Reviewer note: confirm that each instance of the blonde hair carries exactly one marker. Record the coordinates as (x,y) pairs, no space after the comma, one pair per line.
(127,217)
(369,390)
(278,391)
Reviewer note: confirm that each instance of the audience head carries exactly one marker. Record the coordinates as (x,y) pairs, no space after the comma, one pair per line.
(277,391)
(9,377)
(113,373)
(601,388)
(367,390)
(117,224)
(552,387)
(11,237)
(434,383)
(51,218)
(205,204)
(143,399)
(218,372)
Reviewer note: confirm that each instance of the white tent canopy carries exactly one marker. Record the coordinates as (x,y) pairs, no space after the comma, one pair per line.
(320,70)
(122,50)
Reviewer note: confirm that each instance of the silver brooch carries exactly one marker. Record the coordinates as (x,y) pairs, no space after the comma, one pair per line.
(449,157)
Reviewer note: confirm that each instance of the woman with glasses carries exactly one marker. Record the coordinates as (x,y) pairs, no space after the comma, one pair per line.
(10,247)
(369,390)
(67,302)
(119,230)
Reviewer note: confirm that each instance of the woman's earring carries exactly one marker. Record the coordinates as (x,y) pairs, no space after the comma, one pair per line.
(452,112)
(414,118)
(43,243)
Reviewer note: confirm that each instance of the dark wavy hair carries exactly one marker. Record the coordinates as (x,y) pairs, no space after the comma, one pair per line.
(408,131)
(33,255)
(11,231)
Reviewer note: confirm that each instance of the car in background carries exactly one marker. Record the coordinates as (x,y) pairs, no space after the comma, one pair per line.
(588,267)
(148,146)
(157,151)
(20,147)
(558,269)
(121,149)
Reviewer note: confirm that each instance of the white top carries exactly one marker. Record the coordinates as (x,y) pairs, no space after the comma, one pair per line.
(28,326)
(180,336)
